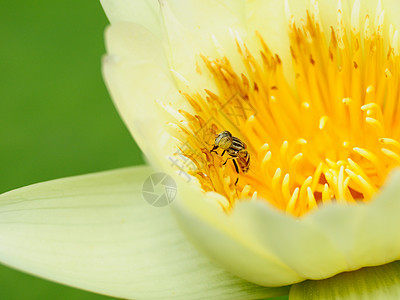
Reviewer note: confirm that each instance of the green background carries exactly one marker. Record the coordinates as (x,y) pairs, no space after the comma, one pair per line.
(56,117)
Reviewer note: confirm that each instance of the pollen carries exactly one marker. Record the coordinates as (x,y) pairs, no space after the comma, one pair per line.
(331,135)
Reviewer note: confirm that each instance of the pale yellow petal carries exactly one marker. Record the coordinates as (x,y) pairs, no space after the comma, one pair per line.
(138,78)
(229,241)
(144,12)
(381,282)
(200,27)
(367,235)
(330,240)
(390,8)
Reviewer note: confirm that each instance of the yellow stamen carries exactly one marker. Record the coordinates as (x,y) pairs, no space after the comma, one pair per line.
(292,202)
(334,136)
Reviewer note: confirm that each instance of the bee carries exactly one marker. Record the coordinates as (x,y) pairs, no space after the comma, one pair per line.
(235,148)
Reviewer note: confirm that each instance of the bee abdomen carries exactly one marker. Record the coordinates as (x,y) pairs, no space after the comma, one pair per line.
(244,161)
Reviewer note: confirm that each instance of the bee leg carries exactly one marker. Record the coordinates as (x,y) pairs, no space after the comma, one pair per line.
(237,171)
(227,161)
(223,152)
(213,149)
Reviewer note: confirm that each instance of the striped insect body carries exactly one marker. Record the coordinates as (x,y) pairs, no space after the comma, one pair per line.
(236,149)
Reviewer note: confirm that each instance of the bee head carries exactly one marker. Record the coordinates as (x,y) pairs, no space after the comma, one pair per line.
(224,140)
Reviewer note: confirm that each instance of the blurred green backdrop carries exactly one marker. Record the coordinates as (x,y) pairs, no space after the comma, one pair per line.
(56,118)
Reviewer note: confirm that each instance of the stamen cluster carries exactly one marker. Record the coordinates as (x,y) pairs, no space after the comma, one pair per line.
(334,137)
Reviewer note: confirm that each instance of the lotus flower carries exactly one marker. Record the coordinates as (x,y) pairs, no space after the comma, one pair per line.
(309,93)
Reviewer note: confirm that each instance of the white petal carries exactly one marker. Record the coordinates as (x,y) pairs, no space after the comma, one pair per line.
(95,232)
(192,27)
(391,10)
(143,12)
(229,241)
(367,235)
(138,78)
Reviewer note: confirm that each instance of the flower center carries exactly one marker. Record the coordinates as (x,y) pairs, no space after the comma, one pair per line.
(334,137)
